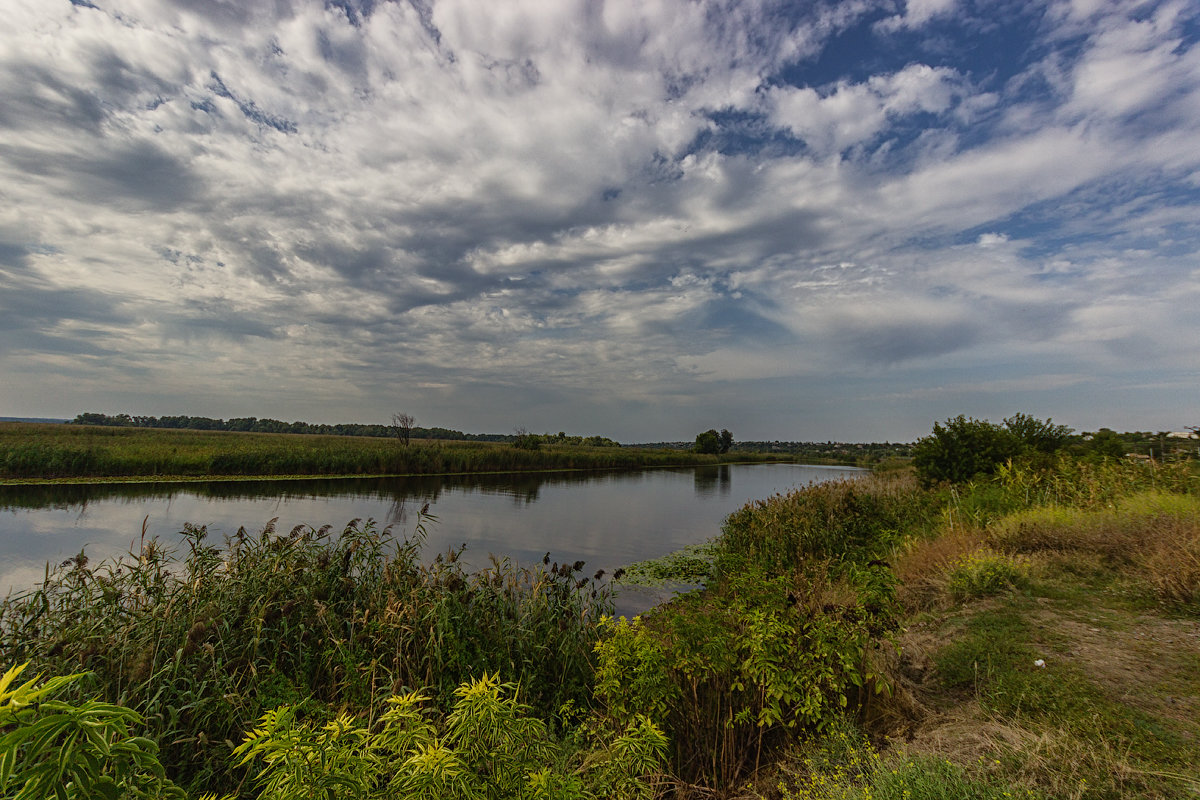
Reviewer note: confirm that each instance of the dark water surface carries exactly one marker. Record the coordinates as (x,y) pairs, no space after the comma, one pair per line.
(608,519)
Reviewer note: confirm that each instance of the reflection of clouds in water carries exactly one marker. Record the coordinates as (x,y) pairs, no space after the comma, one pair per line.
(15,577)
(607,520)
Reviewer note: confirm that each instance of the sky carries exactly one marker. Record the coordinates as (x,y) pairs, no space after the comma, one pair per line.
(638,218)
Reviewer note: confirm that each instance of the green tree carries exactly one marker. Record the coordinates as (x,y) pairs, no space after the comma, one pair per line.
(1107,443)
(1036,434)
(963,448)
(708,442)
(713,442)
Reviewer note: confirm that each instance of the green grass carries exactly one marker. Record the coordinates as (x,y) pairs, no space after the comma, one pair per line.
(48,452)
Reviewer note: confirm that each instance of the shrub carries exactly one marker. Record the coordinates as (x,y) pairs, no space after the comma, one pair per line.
(53,748)
(983,572)
(730,671)
(961,449)
(488,746)
(966,447)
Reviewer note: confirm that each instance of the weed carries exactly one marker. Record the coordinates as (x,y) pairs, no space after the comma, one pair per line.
(984,572)
(487,746)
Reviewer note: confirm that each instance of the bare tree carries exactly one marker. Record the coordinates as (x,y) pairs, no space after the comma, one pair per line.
(403,423)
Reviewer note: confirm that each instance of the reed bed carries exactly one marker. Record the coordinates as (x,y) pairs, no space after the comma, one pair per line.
(33,451)
(203,640)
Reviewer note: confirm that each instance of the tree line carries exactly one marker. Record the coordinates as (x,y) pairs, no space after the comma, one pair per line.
(963,447)
(267,425)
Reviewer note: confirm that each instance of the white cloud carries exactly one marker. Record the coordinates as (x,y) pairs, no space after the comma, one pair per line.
(852,114)
(917,13)
(276,195)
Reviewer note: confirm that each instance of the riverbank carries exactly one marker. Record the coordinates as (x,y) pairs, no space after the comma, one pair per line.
(1048,648)
(1034,634)
(32,452)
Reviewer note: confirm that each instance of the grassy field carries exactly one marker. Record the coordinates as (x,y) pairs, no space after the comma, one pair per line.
(47,452)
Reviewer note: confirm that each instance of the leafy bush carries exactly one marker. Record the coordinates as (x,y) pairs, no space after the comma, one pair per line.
(961,449)
(729,671)
(488,746)
(966,447)
(54,748)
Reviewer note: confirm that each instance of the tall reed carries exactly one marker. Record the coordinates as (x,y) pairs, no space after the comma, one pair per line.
(202,640)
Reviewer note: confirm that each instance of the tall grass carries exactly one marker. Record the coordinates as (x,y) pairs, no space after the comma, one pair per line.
(837,519)
(66,451)
(1154,533)
(201,641)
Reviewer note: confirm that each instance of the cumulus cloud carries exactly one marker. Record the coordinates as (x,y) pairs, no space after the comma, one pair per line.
(323,210)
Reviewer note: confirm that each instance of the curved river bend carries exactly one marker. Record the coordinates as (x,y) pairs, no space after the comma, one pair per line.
(606,519)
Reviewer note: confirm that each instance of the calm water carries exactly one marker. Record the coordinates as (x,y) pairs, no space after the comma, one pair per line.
(606,519)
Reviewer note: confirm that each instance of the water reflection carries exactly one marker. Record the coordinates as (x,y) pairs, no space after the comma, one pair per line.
(524,488)
(712,480)
(606,519)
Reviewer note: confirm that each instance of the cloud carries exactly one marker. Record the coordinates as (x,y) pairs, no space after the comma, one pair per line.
(617,206)
(852,114)
(916,13)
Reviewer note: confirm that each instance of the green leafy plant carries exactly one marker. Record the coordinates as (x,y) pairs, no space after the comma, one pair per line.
(205,638)
(488,746)
(52,748)
(730,672)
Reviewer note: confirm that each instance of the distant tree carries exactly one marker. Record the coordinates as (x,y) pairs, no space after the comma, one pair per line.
(403,423)
(712,442)
(1107,443)
(526,440)
(1033,433)
(963,448)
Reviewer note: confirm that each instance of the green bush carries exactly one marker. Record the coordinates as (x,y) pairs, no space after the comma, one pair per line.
(54,748)
(961,449)
(729,672)
(488,746)
(966,447)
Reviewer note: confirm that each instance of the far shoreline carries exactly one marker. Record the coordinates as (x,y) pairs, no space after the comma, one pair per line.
(150,479)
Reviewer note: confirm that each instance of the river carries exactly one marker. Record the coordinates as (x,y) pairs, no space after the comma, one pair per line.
(607,519)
